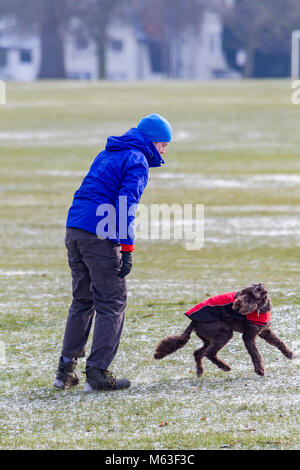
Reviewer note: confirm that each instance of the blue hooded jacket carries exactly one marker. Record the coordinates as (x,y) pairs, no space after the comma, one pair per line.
(120,170)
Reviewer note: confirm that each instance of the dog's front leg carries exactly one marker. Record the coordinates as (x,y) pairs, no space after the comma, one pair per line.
(271,338)
(249,338)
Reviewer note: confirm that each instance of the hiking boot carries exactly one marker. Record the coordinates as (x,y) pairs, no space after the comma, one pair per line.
(66,376)
(99,379)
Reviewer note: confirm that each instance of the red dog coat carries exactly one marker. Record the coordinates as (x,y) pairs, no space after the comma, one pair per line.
(216,308)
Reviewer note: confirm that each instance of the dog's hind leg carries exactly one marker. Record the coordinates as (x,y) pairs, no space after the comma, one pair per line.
(217,343)
(270,337)
(249,338)
(199,354)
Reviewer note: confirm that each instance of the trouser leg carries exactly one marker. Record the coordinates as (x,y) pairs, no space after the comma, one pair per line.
(103,258)
(81,311)
(110,296)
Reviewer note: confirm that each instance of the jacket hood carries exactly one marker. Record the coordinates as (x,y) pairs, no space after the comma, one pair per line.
(134,139)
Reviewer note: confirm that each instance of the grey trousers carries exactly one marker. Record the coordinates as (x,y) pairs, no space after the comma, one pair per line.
(96,288)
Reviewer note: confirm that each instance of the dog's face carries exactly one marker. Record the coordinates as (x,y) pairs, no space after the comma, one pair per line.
(253,298)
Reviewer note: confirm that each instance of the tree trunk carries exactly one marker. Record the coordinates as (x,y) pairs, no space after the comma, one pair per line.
(101,51)
(166,55)
(52,41)
(250,62)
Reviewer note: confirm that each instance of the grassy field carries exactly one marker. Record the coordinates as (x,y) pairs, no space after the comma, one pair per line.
(235,150)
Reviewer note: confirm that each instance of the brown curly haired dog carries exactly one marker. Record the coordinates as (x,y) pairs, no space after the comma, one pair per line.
(247,311)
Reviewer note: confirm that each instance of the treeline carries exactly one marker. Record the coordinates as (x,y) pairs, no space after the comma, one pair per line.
(257,30)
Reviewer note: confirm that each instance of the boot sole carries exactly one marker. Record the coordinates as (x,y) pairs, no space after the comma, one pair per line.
(89,389)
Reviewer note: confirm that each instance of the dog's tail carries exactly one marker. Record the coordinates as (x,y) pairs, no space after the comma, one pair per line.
(170,344)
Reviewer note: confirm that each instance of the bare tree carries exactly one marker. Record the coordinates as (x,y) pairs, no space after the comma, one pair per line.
(263,26)
(51,24)
(46,18)
(96,15)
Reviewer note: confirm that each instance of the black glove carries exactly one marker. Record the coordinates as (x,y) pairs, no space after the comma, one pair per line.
(126,263)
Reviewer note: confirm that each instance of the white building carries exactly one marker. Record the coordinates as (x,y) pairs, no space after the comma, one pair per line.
(19,57)
(198,54)
(129,55)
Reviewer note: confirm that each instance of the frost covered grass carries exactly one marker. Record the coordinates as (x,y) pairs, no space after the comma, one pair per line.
(236,150)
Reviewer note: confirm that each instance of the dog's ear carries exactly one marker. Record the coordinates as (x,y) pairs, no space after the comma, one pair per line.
(236,304)
(244,304)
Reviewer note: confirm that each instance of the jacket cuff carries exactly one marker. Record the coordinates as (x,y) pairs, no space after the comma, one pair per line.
(127,247)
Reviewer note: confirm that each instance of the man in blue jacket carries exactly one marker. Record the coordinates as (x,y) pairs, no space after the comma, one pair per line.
(100,242)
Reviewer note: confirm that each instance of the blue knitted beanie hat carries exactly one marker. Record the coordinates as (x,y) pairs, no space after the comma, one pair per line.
(156,128)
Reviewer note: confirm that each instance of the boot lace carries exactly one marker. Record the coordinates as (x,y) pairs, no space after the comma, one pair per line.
(111,377)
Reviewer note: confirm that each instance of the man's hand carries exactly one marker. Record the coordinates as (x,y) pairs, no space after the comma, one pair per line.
(126,263)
